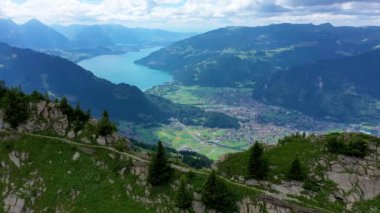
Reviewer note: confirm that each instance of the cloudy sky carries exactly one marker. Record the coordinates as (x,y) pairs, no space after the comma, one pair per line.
(193,14)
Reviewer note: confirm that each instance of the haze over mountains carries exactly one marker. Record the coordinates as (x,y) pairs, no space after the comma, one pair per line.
(33,34)
(264,58)
(110,35)
(76,42)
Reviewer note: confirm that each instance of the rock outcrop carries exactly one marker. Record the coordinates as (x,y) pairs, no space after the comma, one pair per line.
(357,179)
(271,205)
(45,116)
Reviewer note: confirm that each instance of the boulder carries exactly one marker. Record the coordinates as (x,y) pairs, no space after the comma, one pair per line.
(76,156)
(101,140)
(13,156)
(71,134)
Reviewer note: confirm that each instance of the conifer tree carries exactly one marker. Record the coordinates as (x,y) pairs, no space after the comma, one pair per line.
(159,170)
(184,196)
(257,166)
(105,126)
(295,171)
(215,195)
(16,109)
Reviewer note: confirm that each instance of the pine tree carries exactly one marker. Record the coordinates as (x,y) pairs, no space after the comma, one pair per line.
(159,170)
(16,109)
(184,196)
(257,166)
(295,172)
(215,195)
(105,126)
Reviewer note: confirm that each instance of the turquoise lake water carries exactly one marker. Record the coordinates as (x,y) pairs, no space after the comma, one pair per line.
(122,69)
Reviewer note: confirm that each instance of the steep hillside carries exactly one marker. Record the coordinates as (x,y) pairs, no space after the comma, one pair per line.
(59,77)
(339,171)
(233,55)
(32,34)
(60,159)
(345,89)
(49,164)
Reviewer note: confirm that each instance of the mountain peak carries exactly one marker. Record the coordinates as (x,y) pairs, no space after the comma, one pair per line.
(34,22)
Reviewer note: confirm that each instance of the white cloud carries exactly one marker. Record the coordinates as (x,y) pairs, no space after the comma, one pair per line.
(193,13)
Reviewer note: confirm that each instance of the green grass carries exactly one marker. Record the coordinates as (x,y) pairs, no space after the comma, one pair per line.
(370,206)
(62,176)
(200,96)
(101,189)
(279,158)
(180,139)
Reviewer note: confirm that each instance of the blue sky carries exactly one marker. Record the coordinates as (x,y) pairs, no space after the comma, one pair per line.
(193,15)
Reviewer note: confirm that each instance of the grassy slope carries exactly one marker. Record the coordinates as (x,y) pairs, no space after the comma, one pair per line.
(101,190)
(53,161)
(279,158)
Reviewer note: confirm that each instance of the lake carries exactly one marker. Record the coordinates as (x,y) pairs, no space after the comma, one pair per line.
(122,69)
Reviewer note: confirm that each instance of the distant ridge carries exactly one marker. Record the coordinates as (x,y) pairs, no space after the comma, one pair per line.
(32,34)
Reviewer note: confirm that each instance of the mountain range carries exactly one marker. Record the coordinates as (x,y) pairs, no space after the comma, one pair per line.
(33,34)
(58,77)
(232,55)
(345,89)
(78,42)
(282,63)
(85,36)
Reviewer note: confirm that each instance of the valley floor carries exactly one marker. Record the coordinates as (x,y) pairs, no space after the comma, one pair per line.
(258,121)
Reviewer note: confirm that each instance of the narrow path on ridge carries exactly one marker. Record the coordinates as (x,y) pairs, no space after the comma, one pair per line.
(174,166)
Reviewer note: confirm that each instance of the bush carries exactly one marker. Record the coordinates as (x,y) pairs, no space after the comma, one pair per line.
(195,160)
(311,185)
(121,145)
(76,117)
(357,149)
(6,146)
(355,146)
(295,171)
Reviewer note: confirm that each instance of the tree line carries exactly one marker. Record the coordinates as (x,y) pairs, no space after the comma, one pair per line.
(17,109)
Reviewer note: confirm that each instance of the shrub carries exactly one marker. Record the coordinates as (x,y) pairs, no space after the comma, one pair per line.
(295,171)
(354,146)
(76,117)
(311,185)
(120,145)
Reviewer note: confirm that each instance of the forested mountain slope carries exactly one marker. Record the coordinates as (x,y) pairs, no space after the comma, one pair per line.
(233,55)
(345,89)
